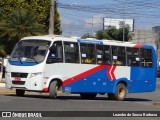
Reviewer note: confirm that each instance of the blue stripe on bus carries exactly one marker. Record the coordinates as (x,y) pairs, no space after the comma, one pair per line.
(99,82)
(95,82)
(89,41)
(147,47)
(18,63)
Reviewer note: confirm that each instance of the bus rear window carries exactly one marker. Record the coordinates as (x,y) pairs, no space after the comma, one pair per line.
(146,57)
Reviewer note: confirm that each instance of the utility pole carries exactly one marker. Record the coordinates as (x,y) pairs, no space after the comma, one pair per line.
(52,16)
(92,25)
(123,23)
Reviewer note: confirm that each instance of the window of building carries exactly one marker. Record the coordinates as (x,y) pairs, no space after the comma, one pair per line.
(87,53)
(71,52)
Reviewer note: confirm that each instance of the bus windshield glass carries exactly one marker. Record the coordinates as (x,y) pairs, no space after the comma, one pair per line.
(30,51)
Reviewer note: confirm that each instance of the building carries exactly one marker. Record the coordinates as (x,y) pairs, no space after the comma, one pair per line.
(144,37)
(156,31)
(151,37)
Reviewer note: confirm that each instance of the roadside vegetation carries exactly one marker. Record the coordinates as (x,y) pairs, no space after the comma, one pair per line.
(111,33)
(31,17)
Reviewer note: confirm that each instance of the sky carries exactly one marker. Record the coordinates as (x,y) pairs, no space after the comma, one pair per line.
(86,16)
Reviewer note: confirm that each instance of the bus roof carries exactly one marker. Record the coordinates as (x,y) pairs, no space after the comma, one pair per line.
(90,40)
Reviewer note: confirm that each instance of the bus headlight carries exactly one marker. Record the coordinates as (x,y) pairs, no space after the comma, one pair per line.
(35,74)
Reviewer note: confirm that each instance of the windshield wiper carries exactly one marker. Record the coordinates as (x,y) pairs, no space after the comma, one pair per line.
(20,60)
(33,59)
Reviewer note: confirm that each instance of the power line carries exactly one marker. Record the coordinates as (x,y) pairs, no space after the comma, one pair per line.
(105,10)
(140,10)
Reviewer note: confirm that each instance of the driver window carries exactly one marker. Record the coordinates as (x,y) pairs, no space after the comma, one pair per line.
(57,55)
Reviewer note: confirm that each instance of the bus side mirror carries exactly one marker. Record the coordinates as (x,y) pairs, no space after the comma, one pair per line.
(52,49)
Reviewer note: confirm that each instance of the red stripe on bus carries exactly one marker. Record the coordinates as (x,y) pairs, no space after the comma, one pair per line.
(110,72)
(83,75)
(138,46)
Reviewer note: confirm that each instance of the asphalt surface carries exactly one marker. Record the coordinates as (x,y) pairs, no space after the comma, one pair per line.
(68,102)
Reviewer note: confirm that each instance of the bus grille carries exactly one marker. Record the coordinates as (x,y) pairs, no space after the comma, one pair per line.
(18,82)
(21,75)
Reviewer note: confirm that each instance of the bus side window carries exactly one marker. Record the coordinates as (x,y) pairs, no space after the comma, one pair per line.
(107,55)
(57,54)
(71,51)
(100,53)
(146,57)
(87,53)
(103,54)
(118,56)
(133,58)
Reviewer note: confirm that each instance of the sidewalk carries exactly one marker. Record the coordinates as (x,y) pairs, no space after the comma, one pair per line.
(2,84)
(4,90)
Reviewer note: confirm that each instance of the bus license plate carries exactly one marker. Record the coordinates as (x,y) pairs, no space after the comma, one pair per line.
(17,79)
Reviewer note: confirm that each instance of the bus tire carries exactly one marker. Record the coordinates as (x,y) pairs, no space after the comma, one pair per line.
(20,92)
(121,92)
(53,89)
(88,95)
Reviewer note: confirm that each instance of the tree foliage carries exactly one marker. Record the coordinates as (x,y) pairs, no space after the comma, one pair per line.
(115,34)
(87,35)
(20,24)
(57,21)
(41,9)
(31,17)
(2,51)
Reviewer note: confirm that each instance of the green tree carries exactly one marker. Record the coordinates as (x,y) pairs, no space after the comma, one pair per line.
(87,35)
(2,51)
(102,34)
(123,28)
(115,34)
(126,34)
(41,8)
(20,24)
(57,22)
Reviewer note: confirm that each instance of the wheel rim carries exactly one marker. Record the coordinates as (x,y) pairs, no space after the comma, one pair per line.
(121,93)
(56,90)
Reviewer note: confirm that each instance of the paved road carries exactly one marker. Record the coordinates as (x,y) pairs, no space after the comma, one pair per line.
(41,102)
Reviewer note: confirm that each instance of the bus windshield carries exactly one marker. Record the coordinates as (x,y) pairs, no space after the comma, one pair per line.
(30,51)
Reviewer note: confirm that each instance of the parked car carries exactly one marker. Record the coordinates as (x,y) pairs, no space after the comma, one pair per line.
(158,72)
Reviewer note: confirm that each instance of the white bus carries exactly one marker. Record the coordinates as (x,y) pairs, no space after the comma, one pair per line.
(87,67)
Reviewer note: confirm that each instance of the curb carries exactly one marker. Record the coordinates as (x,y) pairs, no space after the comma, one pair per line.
(156,103)
(2,84)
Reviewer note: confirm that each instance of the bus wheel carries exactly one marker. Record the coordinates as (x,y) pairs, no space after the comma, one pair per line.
(121,92)
(88,95)
(53,90)
(20,92)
